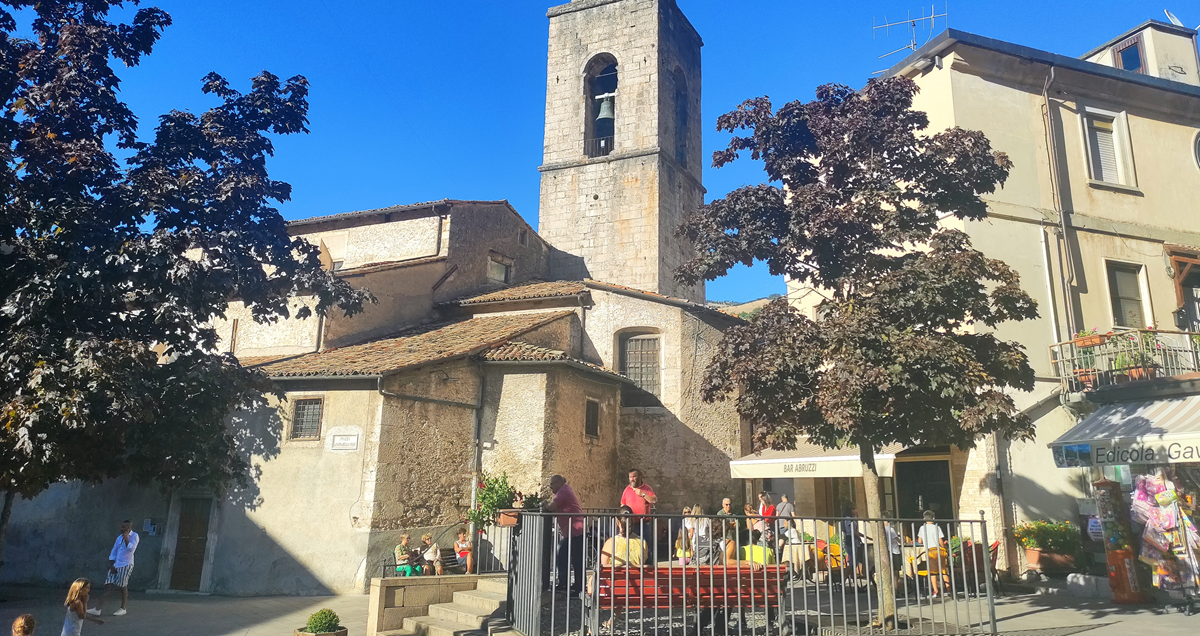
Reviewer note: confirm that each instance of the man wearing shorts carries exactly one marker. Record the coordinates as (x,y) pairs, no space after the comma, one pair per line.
(120,566)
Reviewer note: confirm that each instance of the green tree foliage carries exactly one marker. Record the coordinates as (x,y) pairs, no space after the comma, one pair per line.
(323,621)
(112,270)
(901,350)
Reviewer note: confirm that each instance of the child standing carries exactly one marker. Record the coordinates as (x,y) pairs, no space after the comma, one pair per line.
(76,604)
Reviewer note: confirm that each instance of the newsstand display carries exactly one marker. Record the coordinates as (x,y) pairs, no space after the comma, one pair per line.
(1162,508)
(1118,544)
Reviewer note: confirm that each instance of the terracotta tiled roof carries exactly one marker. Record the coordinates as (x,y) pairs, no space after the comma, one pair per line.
(382,265)
(413,347)
(254,361)
(360,213)
(526,291)
(656,297)
(511,351)
(516,351)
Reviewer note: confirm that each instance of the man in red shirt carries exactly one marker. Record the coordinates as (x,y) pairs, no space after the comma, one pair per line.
(639,496)
(570,532)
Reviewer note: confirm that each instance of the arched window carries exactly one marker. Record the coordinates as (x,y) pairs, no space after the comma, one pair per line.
(640,361)
(682,132)
(600,95)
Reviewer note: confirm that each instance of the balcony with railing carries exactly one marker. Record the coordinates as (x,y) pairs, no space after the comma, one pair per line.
(1094,360)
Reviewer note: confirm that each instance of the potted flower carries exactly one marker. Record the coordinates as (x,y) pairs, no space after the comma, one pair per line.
(1085,366)
(322,622)
(1122,365)
(1089,338)
(494,503)
(1049,546)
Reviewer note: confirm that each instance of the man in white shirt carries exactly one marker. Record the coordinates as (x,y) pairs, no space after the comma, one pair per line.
(120,566)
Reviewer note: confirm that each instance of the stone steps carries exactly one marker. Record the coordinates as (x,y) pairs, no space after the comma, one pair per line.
(494,584)
(477,612)
(489,601)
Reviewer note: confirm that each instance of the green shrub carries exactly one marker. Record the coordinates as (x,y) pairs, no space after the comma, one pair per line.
(1055,538)
(322,622)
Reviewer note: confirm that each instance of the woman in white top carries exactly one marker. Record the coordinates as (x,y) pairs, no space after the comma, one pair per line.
(702,537)
(432,554)
(76,604)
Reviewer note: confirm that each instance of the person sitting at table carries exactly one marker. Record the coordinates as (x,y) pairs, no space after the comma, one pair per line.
(931,537)
(703,542)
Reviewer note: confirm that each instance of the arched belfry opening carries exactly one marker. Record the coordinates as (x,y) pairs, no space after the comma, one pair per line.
(600,112)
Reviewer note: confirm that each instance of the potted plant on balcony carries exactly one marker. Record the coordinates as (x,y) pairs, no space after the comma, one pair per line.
(494,503)
(323,622)
(1049,546)
(1085,366)
(1089,338)
(1122,365)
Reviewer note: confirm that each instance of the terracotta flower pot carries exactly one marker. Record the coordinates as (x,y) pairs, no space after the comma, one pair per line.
(1143,373)
(1048,561)
(1090,341)
(1086,376)
(341,632)
(508,517)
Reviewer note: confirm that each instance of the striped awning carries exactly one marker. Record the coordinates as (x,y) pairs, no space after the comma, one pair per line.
(811,460)
(1151,432)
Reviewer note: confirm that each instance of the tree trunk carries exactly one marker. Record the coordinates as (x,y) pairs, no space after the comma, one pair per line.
(9,495)
(883,561)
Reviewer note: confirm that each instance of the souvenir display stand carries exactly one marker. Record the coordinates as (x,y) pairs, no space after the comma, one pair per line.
(1162,504)
(1118,544)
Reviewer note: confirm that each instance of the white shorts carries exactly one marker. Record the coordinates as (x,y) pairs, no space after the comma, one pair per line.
(120,578)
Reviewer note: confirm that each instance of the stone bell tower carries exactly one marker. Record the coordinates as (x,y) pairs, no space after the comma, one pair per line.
(622,161)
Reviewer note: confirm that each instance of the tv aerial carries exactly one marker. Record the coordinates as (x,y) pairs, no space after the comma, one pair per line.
(1174,20)
(914,25)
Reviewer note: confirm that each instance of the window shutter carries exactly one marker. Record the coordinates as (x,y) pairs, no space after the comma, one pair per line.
(1125,288)
(1103,150)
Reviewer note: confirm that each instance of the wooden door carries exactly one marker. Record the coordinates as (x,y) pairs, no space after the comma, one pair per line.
(189,547)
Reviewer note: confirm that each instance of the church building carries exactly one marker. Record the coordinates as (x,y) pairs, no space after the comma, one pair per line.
(494,348)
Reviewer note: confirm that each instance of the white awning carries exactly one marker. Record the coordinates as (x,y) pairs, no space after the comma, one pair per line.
(1151,432)
(810,460)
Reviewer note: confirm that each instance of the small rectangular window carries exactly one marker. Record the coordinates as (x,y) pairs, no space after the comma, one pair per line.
(1102,148)
(1128,54)
(498,272)
(337,265)
(1125,289)
(523,237)
(233,334)
(306,419)
(591,426)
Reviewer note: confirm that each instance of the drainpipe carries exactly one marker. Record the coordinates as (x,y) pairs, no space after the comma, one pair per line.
(477,425)
(1056,335)
(1067,275)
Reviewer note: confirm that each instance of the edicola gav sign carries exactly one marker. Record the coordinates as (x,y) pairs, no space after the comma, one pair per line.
(1120,453)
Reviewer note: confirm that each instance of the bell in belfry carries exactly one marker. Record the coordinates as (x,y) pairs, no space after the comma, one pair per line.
(606,109)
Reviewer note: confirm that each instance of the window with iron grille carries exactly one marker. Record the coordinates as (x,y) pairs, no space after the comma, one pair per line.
(640,363)
(306,419)
(591,426)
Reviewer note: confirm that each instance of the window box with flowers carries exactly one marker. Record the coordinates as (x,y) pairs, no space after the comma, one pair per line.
(1089,338)
(1049,546)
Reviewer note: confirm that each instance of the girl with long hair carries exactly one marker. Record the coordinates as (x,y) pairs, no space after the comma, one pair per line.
(76,604)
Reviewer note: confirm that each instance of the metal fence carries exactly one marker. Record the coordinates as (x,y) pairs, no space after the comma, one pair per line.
(722,575)
(598,146)
(1124,355)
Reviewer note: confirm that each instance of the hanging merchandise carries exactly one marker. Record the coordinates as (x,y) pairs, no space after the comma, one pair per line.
(1163,503)
(1118,544)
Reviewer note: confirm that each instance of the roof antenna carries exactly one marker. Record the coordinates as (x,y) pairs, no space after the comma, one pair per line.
(1176,21)
(915,25)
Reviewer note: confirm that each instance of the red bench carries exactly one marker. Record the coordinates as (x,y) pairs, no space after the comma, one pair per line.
(715,589)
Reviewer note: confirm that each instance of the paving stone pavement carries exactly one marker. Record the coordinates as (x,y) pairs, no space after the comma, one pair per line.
(186,614)
(193,615)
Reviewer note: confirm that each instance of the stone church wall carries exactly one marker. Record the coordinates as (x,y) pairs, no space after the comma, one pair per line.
(590,464)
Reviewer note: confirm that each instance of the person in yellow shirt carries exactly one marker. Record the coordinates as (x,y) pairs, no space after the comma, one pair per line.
(623,549)
(758,553)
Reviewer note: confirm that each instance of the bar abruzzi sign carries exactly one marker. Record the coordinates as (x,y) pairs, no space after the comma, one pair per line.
(1101,453)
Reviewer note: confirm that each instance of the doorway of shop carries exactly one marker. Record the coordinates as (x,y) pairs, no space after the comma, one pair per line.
(924,485)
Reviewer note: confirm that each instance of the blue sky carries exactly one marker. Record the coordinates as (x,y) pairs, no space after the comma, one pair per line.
(415,101)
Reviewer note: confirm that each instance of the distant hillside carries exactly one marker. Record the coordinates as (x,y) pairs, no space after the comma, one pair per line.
(742,310)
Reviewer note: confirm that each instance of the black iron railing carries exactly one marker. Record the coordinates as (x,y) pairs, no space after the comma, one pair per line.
(1090,361)
(598,146)
(711,575)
